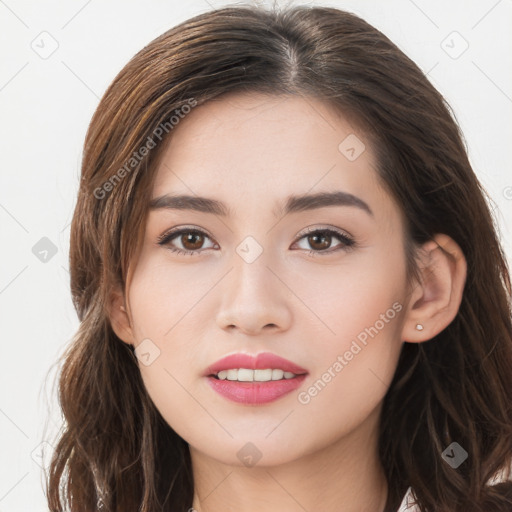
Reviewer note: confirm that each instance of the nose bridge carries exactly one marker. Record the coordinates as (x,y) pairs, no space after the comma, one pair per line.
(252,296)
(251,274)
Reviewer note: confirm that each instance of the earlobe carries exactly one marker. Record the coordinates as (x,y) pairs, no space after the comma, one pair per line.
(119,317)
(435,300)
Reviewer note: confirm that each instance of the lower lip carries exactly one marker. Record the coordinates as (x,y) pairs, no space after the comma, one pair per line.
(255,392)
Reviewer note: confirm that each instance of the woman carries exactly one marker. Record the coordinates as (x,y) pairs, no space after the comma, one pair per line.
(290,288)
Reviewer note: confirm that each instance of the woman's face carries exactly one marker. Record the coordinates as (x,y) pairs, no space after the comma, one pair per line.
(264,277)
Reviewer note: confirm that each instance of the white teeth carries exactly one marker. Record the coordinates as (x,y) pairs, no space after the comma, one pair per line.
(232,374)
(247,375)
(277,374)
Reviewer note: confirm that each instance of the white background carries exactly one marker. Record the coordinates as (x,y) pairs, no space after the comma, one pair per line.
(46,105)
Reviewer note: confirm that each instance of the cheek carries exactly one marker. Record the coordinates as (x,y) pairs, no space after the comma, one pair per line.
(164,296)
(164,308)
(357,343)
(347,297)
(353,367)
(359,362)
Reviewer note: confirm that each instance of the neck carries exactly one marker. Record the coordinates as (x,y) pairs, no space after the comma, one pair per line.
(344,476)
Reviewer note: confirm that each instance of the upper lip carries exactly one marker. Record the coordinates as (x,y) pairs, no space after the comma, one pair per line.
(260,361)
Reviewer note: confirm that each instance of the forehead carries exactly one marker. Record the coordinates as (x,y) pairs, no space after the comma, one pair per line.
(248,149)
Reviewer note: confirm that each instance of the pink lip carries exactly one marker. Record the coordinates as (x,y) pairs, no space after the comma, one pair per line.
(254,393)
(262,361)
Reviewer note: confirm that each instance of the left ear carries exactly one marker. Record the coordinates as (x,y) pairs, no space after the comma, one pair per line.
(435,301)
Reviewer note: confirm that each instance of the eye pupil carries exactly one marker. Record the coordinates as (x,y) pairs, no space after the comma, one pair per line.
(324,245)
(190,237)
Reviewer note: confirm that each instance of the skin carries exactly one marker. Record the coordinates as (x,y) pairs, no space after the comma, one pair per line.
(251,151)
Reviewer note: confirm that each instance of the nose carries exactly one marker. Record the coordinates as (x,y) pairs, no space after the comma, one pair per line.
(255,300)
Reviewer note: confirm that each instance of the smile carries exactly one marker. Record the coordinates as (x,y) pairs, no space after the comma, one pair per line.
(248,375)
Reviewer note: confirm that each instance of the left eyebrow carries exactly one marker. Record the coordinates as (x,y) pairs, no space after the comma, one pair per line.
(293,203)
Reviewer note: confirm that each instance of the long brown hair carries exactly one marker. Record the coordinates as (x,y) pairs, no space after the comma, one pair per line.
(115,451)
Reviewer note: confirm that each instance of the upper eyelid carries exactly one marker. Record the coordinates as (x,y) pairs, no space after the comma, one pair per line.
(312,229)
(178,230)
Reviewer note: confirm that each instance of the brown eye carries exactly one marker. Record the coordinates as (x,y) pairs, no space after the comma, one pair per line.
(190,240)
(319,241)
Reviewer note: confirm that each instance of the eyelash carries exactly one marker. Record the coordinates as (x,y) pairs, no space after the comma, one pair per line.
(347,244)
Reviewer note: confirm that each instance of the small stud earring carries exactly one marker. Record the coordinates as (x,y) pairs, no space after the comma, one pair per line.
(419,327)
